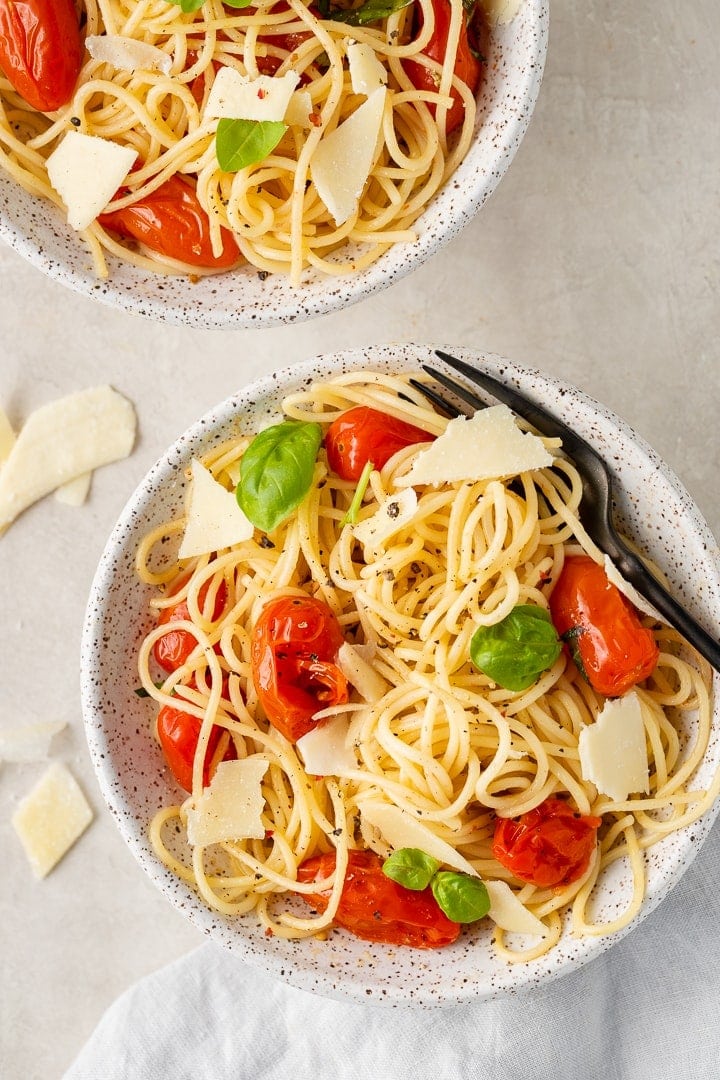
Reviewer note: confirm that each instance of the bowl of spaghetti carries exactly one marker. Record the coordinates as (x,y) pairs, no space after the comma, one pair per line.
(336,674)
(235,166)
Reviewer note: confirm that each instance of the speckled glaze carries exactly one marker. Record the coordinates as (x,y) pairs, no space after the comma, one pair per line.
(655,510)
(37,229)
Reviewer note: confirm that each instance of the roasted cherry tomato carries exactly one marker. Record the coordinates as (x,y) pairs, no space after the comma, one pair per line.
(550,846)
(363,434)
(294,647)
(377,909)
(41,51)
(601,628)
(468,68)
(172,649)
(178,733)
(171,222)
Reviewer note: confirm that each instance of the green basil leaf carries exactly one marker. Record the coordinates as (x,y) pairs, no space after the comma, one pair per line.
(369,12)
(240,143)
(463,898)
(276,472)
(411,867)
(188,5)
(352,513)
(237,3)
(515,651)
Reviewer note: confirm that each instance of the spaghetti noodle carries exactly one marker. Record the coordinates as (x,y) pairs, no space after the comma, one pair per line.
(271,208)
(443,741)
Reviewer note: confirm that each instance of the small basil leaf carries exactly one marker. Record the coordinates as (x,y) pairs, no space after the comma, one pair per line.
(369,12)
(463,898)
(240,143)
(515,651)
(237,3)
(276,472)
(411,867)
(188,5)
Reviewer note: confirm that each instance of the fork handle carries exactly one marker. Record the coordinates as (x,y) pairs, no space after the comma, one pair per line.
(634,571)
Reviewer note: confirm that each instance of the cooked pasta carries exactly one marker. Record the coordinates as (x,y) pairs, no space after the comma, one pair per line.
(442,741)
(270,209)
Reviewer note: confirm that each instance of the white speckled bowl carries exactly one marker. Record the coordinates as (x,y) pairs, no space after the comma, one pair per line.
(655,510)
(38,231)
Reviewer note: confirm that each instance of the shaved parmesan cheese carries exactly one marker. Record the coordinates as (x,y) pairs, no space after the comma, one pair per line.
(400,830)
(341,164)
(325,750)
(361,674)
(30,742)
(391,516)
(366,71)
(487,446)
(62,440)
(214,519)
(75,492)
(86,171)
(638,601)
(51,818)
(127,54)
(7,436)
(299,108)
(613,752)
(509,913)
(236,97)
(231,807)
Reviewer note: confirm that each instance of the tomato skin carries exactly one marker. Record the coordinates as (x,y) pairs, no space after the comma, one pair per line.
(178,733)
(468,68)
(550,846)
(363,434)
(293,651)
(171,222)
(375,908)
(172,649)
(41,50)
(615,650)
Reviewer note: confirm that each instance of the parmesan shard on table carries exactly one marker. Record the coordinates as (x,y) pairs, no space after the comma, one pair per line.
(486,446)
(213,520)
(51,818)
(30,742)
(61,441)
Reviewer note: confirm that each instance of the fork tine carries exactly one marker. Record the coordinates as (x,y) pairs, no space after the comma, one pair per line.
(437,399)
(543,421)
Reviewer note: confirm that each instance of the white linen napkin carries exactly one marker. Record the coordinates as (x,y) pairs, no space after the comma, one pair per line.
(647,1008)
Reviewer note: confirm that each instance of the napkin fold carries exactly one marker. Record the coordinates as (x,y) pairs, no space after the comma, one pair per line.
(647,1008)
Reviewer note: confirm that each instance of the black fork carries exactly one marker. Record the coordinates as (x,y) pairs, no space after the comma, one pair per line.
(598,484)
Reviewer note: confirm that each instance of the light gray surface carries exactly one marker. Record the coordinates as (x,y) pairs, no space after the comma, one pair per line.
(597,260)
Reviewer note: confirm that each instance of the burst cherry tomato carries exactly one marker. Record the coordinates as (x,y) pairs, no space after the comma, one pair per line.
(172,649)
(377,909)
(550,846)
(601,628)
(171,222)
(294,647)
(468,68)
(178,733)
(363,434)
(41,50)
